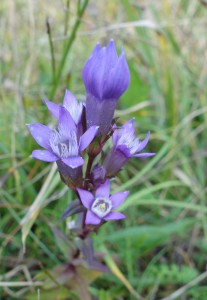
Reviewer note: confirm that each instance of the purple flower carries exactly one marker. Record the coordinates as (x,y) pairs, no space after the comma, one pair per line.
(106,77)
(62,145)
(100,207)
(126,145)
(98,175)
(70,103)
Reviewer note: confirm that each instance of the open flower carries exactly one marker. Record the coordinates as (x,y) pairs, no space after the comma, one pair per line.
(106,77)
(63,144)
(126,145)
(100,207)
(70,103)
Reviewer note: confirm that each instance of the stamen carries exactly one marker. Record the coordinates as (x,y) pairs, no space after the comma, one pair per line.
(64,146)
(128,138)
(101,206)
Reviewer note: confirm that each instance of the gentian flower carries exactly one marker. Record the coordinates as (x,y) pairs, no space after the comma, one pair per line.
(70,103)
(126,145)
(63,144)
(106,76)
(100,207)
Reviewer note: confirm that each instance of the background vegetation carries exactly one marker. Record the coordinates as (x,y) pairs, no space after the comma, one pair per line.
(159,251)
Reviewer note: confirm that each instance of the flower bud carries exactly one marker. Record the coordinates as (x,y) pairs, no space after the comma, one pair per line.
(106,77)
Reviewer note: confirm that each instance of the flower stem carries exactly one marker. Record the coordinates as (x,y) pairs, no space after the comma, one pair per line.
(89,166)
(51,47)
(66,17)
(67,48)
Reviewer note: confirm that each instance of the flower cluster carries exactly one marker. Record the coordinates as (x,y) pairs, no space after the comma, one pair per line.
(82,132)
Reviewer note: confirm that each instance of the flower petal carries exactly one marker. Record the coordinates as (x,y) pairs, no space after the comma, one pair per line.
(74,108)
(66,122)
(143,155)
(114,216)
(103,190)
(53,108)
(124,150)
(129,126)
(73,161)
(89,72)
(92,218)
(86,198)
(118,198)
(143,144)
(69,99)
(117,80)
(115,136)
(44,155)
(41,134)
(87,137)
(111,56)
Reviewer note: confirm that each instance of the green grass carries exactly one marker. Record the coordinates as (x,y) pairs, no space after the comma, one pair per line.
(161,246)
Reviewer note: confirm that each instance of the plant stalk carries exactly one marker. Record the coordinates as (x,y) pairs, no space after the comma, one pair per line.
(67,48)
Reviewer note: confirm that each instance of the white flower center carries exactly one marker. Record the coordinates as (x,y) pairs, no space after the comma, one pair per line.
(127,137)
(63,146)
(101,206)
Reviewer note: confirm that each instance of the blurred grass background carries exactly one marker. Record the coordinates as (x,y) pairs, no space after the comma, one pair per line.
(159,251)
